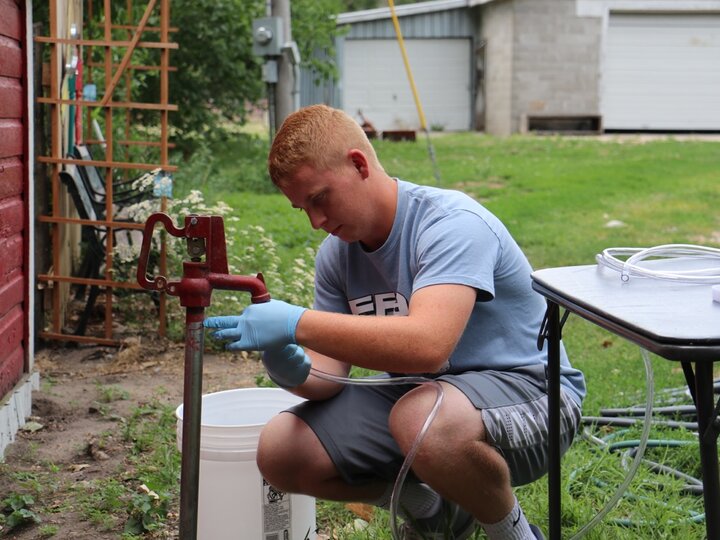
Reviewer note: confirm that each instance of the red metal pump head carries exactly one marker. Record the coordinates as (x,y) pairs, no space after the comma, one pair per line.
(205,236)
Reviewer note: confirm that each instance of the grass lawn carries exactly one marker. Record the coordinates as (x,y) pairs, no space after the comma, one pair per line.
(564,200)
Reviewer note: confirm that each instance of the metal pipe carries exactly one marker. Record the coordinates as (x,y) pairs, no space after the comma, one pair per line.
(192,414)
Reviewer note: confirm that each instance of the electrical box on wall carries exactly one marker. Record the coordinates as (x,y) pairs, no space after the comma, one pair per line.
(268,36)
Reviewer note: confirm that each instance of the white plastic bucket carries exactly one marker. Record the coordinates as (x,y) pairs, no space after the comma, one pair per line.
(235,503)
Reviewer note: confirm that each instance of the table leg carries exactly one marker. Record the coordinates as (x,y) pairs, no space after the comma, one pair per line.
(689,379)
(554,493)
(708,447)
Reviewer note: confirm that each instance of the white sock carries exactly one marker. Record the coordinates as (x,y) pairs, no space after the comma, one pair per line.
(417,500)
(514,526)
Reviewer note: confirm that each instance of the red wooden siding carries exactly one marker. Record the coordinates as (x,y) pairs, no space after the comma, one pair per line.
(11,23)
(11,58)
(11,261)
(13,203)
(11,349)
(12,177)
(11,137)
(13,98)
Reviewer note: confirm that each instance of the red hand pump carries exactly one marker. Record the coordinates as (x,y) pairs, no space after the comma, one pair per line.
(205,236)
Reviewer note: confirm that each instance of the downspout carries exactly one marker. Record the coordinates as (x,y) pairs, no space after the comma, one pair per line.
(29,187)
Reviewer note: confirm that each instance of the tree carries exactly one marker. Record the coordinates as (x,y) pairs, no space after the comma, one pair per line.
(357,5)
(218,77)
(313,28)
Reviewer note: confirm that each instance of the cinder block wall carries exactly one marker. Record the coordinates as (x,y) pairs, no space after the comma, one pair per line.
(556,60)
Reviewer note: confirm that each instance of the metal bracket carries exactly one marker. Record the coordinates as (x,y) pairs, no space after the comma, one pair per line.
(544,327)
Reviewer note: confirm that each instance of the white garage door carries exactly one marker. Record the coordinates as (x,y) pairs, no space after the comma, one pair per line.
(662,72)
(374,81)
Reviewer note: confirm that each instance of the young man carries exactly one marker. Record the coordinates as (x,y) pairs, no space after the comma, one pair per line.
(410,280)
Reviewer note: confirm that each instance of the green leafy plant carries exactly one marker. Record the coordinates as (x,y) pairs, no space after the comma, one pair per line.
(261,381)
(146,512)
(16,511)
(101,502)
(153,465)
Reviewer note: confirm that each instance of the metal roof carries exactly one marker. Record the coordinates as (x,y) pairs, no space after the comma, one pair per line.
(405,10)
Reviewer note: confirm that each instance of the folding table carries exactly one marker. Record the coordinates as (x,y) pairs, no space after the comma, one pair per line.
(676,321)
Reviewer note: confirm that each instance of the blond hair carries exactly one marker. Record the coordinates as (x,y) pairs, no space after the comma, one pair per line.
(318,136)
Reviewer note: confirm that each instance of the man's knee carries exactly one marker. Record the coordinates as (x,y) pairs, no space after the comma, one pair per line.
(277,462)
(455,426)
(289,455)
(409,415)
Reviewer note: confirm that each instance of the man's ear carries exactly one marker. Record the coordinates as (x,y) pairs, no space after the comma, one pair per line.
(360,162)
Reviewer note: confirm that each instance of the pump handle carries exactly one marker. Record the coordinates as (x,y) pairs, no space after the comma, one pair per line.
(160,282)
(199,277)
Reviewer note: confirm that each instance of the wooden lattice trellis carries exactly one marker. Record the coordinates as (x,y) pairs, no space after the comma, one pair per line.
(65,41)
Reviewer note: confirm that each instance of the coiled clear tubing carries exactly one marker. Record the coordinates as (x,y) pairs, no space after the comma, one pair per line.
(709,274)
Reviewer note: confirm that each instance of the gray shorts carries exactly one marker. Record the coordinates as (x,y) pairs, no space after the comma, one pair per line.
(353,425)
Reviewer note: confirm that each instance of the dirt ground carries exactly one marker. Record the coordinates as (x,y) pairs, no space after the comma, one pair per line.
(59,444)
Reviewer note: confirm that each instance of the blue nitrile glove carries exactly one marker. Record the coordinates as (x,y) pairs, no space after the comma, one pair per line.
(287,367)
(270,325)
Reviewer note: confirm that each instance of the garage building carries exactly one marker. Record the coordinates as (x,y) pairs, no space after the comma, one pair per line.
(507,66)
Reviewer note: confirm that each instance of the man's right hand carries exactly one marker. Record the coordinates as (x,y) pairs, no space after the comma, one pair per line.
(288,366)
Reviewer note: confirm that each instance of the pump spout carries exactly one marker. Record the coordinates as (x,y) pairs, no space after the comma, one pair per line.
(255,285)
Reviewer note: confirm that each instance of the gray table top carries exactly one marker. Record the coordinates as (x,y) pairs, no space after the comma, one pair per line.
(667,317)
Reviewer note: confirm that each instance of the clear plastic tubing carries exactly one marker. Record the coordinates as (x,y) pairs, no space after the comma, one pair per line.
(650,392)
(410,457)
(630,268)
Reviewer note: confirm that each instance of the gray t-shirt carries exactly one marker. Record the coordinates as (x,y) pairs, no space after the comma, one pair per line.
(445,237)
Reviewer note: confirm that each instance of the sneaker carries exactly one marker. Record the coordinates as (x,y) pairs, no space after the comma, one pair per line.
(450,523)
(537,532)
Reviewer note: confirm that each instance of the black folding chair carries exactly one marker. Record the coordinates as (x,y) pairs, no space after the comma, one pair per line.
(124,192)
(93,238)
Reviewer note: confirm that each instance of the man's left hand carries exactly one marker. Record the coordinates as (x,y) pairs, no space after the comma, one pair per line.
(269,325)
